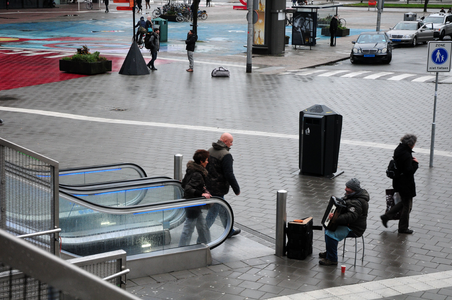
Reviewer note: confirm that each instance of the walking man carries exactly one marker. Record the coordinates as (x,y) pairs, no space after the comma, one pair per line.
(220,177)
(154,47)
(403,183)
(333,29)
(190,41)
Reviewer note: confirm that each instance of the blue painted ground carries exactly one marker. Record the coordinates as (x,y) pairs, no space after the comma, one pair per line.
(115,36)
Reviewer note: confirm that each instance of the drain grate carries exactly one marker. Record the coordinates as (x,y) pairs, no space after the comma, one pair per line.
(7,98)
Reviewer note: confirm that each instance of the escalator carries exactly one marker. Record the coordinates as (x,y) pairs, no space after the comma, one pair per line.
(106,208)
(89,228)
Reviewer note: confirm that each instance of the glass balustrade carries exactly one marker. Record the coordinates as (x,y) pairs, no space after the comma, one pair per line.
(89,229)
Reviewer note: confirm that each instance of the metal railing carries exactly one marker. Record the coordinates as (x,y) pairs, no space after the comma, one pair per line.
(110,266)
(32,273)
(29,194)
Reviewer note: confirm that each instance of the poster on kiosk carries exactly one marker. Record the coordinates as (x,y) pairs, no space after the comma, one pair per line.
(259,26)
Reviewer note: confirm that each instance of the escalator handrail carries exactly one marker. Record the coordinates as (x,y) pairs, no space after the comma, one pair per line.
(166,205)
(115,185)
(136,167)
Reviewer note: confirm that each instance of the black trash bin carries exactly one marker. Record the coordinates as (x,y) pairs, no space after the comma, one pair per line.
(320,136)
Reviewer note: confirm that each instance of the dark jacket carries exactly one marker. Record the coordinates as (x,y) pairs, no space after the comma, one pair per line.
(333,25)
(191,41)
(141,23)
(221,173)
(355,217)
(154,41)
(404,184)
(194,186)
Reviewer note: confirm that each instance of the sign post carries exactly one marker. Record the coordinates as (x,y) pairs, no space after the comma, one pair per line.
(438,60)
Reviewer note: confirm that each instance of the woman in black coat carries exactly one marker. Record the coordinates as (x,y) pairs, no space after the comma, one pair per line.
(194,187)
(404,183)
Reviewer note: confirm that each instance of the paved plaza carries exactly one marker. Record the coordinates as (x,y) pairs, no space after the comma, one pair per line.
(111,118)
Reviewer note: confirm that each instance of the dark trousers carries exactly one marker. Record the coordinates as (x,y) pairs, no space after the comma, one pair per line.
(154,57)
(404,206)
(333,39)
(331,246)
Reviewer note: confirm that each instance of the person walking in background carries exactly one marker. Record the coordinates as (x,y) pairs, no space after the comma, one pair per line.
(139,6)
(403,183)
(220,177)
(334,23)
(194,186)
(141,31)
(154,46)
(107,2)
(208,3)
(148,4)
(352,222)
(190,42)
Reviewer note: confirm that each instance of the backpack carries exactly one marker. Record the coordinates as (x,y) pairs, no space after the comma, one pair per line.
(392,171)
(147,41)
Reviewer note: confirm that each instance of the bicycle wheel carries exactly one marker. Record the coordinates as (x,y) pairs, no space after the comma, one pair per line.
(156,13)
(89,5)
(204,16)
(179,19)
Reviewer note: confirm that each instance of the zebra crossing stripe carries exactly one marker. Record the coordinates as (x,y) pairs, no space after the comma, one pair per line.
(378,75)
(423,78)
(328,74)
(353,74)
(447,80)
(401,76)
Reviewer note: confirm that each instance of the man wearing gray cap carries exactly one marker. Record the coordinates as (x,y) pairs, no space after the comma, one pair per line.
(352,221)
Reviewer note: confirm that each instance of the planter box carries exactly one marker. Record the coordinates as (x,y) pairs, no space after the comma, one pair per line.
(339,32)
(85,68)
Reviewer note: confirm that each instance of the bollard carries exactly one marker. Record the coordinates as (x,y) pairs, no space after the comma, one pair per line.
(178,166)
(281,217)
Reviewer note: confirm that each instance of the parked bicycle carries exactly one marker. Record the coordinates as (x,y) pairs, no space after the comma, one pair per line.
(89,4)
(202,14)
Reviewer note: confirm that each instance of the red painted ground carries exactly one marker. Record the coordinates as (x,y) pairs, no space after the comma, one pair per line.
(21,70)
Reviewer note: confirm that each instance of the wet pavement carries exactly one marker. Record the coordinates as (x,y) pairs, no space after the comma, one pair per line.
(109,118)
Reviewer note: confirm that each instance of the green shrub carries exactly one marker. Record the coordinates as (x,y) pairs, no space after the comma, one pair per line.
(84,55)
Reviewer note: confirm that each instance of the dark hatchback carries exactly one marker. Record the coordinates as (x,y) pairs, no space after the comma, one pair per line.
(372,47)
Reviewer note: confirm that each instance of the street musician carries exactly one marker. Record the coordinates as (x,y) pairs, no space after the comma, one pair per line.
(351,222)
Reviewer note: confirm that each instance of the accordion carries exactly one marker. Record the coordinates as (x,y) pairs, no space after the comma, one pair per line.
(335,207)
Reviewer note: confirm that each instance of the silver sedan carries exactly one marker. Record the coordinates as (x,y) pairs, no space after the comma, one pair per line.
(411,33)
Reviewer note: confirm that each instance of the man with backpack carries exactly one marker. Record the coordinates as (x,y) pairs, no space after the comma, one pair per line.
(152,42)
(403,183)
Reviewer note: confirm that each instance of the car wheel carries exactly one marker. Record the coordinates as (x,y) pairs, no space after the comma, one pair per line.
(388,59)
(441,35)
(352,59)
(414,43)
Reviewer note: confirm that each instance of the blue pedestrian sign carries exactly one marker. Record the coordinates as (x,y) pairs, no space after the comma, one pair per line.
(439,59)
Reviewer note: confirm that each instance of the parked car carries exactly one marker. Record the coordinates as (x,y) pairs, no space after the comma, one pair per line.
(442,24)
(372,46)
(411,33)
